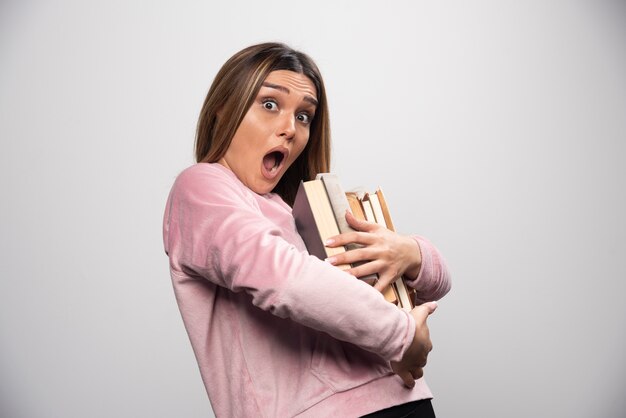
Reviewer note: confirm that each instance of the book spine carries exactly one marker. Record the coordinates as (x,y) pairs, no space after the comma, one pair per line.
(338,203)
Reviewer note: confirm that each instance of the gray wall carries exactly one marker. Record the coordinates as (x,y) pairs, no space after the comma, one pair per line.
(496,128)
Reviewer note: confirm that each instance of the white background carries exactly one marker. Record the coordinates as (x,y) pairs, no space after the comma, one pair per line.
(496,129)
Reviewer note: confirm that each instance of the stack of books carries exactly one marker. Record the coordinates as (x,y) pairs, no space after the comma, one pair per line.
(320,213)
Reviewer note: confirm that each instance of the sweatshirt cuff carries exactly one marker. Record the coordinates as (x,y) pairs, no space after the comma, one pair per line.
(433,279)
(426,266)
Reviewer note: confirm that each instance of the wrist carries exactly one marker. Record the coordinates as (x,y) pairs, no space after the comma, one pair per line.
(414,259)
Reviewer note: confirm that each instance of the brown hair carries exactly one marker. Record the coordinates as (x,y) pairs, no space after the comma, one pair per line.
(233,92)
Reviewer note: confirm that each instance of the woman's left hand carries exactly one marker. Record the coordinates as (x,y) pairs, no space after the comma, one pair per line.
(383,251)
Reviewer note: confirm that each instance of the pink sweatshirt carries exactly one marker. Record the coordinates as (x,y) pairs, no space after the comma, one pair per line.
(277,332)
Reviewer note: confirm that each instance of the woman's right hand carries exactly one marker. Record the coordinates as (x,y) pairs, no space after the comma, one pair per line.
(410,368)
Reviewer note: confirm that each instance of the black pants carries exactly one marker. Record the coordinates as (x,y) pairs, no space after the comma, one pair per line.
(416,409)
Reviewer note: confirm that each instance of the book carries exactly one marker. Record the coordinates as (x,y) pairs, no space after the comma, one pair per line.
(358,210)
(355,205)
(340,205)
(385,209)
(319,211)
(315,220)
(411,292)
(405,300)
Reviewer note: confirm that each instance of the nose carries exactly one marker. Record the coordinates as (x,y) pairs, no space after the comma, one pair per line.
(287,127)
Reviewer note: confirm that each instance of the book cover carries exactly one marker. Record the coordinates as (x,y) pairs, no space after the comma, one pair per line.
(315,220)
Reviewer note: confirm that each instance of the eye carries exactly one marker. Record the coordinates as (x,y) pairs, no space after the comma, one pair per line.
(304,117)
(269,104)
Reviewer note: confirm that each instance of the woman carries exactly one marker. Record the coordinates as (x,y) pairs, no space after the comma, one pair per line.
(277,332)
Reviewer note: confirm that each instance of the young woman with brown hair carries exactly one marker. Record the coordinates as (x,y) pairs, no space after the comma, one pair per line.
(277,332)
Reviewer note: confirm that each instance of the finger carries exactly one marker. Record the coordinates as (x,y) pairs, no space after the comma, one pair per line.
(407,378)
(424,357)
(363,269)
(354,256)
(359,224)
(432,306)
(384,280)
(421,312)
(357,256)
(417,373)
(356,237)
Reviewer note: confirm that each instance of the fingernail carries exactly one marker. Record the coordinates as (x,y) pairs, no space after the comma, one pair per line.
(329,241)
(330,260)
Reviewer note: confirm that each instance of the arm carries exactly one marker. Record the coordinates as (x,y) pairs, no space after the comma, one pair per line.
(433,279)
(214,231)
(392,255)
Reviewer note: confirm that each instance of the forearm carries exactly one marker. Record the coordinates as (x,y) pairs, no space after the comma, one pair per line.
(324,298)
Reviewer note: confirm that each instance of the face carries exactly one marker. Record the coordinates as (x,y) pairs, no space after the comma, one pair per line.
(273,132)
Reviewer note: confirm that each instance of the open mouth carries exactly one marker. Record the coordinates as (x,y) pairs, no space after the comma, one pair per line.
(272,161)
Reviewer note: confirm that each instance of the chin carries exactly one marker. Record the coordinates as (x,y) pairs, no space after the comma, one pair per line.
(263,188)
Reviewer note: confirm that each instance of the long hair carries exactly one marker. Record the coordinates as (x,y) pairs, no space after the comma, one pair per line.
(232,93)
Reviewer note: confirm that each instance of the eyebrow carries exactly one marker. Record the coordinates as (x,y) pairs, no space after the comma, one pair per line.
(286,90)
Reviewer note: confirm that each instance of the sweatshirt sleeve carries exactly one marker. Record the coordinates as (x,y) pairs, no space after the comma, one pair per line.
(214,231)
(433,281)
